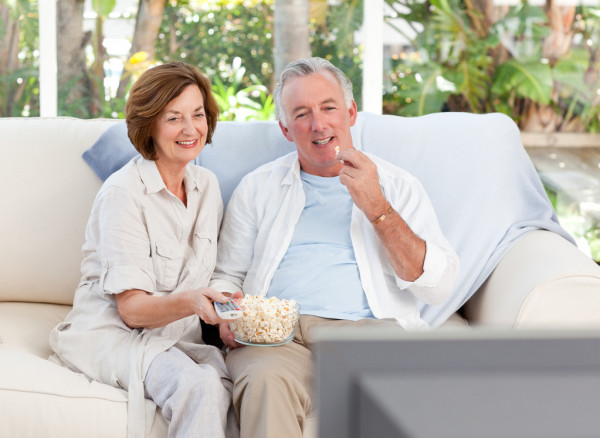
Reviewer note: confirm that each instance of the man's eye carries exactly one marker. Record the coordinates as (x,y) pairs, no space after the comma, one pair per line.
(299,116)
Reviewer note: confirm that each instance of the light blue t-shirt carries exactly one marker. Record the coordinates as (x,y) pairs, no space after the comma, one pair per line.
(319,269)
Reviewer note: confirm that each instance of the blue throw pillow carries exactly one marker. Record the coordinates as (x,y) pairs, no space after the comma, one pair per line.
(110,152)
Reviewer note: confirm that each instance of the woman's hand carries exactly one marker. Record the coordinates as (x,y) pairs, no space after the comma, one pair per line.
(201,303)
(226,335)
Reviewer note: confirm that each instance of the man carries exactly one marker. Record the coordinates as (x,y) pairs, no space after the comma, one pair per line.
(353,239)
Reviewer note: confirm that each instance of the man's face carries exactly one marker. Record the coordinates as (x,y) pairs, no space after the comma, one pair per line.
(317,120)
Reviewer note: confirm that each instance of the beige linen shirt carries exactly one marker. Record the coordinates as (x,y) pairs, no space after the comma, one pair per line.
(140,236)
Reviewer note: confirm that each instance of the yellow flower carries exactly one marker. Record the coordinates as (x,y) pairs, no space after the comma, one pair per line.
(138,57)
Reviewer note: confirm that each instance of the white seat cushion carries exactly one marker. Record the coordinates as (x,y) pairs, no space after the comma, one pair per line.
(37,394)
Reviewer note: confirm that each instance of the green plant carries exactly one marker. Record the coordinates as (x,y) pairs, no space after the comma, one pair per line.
(239,102)
(19,63)
(464,58)
(211,34)
(593,238)
(332,37)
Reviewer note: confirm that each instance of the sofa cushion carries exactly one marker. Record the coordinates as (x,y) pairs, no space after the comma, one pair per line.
(34,387)
(48,191)
(247,144)
(26,326)
(42,399)
(481,182)
(110,152)
(542,282)
(239,148)
(484,188)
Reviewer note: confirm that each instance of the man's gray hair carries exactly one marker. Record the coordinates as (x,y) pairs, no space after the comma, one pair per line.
(306,67)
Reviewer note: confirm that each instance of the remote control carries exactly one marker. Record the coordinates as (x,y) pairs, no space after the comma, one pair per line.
(228,310)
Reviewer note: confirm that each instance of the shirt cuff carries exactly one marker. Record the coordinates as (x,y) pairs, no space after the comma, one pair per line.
(434,266)
(224,286)
(121,278)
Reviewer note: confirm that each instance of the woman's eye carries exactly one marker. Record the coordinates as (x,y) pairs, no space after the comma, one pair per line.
(200,115)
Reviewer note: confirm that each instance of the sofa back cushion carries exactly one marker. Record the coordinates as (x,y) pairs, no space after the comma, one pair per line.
(481,182)
(47,193)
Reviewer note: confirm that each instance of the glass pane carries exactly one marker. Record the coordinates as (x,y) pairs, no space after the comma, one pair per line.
(571,176)
(232,42)
(19,60)
(533,61)
(537,64)
(335,36)
(103,47)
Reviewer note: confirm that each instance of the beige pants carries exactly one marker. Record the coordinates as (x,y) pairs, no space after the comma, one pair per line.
(272,392)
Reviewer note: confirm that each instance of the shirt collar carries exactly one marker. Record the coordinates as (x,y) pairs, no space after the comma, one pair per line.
(153,181)
(293,174)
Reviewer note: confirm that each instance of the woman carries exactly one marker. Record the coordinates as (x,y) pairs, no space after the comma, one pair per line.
(149,253)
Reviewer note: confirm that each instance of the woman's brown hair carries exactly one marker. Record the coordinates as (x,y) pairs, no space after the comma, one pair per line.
(152,92)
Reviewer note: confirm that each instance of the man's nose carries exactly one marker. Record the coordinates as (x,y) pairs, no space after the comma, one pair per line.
(318,121)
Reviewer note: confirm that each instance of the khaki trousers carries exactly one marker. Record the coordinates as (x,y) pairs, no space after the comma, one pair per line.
(273,386)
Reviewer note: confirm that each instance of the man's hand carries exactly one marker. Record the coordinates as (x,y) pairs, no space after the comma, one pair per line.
(227,336)
(360,177)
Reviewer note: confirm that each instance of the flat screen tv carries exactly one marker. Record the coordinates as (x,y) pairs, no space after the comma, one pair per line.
(458,384)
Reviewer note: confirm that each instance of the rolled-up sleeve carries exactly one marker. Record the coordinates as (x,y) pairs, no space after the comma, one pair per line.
(440,270)
(118,234)
(441,264)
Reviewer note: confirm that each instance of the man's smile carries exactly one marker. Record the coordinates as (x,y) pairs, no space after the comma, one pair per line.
(323,141)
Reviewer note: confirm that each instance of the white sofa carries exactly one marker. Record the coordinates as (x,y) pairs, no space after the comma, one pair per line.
(513,273)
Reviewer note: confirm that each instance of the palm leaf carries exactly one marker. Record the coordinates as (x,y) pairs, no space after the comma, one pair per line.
(530,79)
(421,93)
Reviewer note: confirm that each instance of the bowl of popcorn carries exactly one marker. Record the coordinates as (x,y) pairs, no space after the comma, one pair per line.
(266,321)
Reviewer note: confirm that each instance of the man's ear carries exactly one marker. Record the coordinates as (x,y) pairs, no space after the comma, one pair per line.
(286,132)
(353,111)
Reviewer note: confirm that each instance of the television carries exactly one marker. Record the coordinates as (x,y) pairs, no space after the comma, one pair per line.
(478,383)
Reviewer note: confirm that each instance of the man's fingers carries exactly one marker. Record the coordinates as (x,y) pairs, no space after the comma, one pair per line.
(353,157)
(237,295)
(227,336)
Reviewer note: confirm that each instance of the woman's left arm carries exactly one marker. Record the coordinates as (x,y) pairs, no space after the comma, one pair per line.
(140,309)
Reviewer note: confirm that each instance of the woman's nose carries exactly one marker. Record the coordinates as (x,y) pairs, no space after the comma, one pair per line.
(188,126)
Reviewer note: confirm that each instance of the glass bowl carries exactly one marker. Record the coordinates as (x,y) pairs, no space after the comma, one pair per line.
(262,330)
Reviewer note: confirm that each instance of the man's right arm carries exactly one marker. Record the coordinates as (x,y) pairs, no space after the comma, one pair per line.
(235,249)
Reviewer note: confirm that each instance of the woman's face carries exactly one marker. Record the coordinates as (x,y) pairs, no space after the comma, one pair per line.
(179,132)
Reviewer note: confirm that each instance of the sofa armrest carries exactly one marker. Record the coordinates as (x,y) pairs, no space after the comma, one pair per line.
(543,281)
